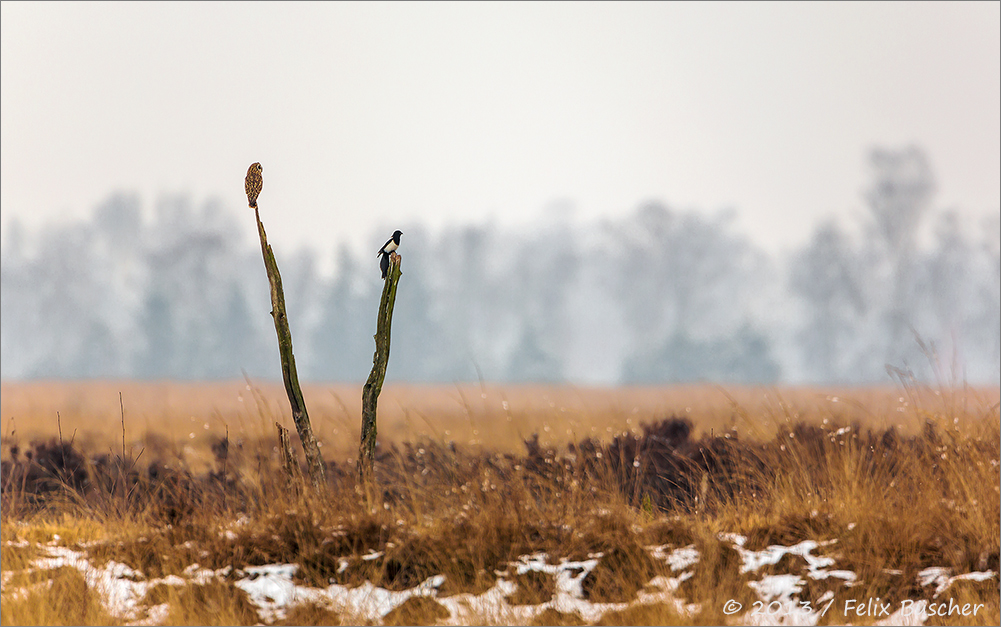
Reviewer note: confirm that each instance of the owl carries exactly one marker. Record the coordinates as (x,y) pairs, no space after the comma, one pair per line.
(253,183)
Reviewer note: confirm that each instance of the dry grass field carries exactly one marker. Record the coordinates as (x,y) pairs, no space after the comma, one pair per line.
(502,505)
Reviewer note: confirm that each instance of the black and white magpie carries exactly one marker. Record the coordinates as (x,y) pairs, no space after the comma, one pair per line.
(391,245)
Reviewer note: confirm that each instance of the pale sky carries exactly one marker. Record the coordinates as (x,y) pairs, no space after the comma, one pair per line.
(371,114)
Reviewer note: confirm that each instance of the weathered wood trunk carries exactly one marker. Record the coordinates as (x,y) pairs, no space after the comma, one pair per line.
(373,386)
(309,446)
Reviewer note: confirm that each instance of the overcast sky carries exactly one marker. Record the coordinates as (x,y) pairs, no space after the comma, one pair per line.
(374,114)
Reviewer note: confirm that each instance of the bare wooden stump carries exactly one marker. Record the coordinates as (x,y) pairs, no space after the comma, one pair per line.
(373,386)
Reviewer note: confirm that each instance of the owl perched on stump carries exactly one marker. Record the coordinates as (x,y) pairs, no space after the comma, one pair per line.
(253,183)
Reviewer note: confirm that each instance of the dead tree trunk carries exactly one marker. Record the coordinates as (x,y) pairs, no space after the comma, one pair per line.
(309,446)
(370,394)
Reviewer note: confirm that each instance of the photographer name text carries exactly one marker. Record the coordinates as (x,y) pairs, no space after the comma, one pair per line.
(871,608)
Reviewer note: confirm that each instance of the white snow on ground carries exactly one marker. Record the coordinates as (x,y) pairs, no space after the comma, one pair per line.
(198,575)
(935,575)
(778,605)
(272,589)
(940,577)
(779,593)
(118,585)
(678,559)
(917,613)
(156,615)
(777,587)
(816,565)
(568,584)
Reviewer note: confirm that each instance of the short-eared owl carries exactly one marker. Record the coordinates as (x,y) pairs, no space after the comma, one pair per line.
(253,183)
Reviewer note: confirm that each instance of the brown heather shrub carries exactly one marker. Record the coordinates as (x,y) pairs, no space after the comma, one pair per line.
(534,587)
(622,572)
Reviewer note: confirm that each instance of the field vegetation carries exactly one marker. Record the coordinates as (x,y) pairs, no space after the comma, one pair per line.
(513,505)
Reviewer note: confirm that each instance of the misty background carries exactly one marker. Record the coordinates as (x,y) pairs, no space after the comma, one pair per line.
(662,294)
(596,193)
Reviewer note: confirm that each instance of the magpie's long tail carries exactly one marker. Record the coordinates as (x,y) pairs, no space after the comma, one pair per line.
(384,264)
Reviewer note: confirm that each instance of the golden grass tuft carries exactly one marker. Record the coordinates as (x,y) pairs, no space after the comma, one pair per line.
(550,616)
(310,614)
(416,610)
(653,614)
(58,596)
(213,603)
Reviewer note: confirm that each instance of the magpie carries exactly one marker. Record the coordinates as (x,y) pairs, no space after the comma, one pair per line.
(391,245)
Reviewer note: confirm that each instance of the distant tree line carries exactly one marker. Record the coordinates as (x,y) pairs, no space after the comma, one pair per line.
(660,296)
